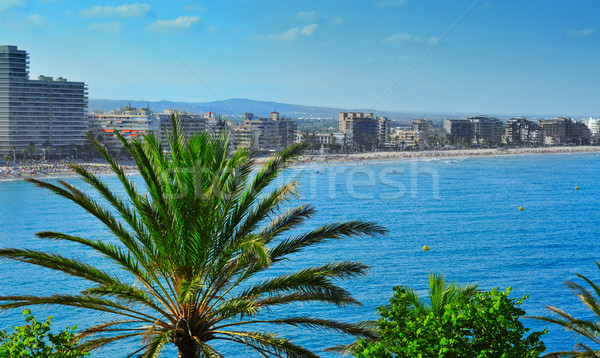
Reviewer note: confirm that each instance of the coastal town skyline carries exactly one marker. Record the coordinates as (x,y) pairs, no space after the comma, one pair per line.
(477,57)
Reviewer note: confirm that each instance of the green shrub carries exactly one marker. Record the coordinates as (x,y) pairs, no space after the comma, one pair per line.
(484,325)
(34,340)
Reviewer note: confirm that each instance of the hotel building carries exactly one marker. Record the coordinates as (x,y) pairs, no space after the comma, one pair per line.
(46,112)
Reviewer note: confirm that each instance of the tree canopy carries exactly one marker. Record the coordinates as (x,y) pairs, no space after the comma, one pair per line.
(34,340)
(483,325)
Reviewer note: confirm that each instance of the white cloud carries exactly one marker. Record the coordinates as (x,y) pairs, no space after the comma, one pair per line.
(336,21)
(581,34)
(212,29)
(108,27)
(36,20)
(391,3)
(288,36)
(433,40)
(7,4)
(309,30)
(180,24)
(401,38)
(292,34)
(123,11)
(308,16)
(33,20)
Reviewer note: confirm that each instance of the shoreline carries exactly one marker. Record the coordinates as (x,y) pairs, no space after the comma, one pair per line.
(55,171)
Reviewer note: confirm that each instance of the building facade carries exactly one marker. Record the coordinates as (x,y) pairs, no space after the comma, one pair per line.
(565,131)
(134,123)
(474,130)
(265,134)
(457,130)
(486,130)
(365,129)
(520,131)
(130,122)
(43,113)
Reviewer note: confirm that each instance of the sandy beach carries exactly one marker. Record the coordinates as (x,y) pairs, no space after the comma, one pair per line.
(377,156)
(62,170)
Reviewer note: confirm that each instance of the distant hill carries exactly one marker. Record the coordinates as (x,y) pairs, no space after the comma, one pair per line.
(236,107)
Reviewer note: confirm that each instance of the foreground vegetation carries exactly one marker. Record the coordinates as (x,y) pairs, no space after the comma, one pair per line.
(456,323)
(34,340)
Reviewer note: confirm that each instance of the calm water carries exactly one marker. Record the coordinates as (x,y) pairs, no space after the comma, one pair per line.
(465,210)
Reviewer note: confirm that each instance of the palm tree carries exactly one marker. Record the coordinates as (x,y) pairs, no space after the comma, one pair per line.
(190,251)
(440,295)
(589,329)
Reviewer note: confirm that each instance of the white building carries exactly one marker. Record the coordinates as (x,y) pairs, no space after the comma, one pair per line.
(594,125)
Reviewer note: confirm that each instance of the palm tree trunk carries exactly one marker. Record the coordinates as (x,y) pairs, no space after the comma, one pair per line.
(187,351)
(187,348)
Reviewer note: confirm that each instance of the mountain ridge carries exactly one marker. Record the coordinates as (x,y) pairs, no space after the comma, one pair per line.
(237,106)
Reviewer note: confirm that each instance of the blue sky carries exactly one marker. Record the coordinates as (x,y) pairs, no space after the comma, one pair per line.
(502,57)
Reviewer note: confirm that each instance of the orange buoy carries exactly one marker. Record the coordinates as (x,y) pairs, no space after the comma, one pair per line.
(425,248)
(521,208)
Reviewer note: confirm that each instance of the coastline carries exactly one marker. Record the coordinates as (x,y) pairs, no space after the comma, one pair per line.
(61,171)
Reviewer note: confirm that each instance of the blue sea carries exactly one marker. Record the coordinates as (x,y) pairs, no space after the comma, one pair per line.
(466,210)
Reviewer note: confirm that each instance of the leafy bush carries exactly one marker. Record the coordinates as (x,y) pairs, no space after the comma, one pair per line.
(34,340)
(484,325)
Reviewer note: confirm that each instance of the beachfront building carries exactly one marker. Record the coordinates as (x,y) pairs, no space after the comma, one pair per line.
(41,113)
(366,129)
(132,123)
(421,126)
(191,123)
(129,121)
(458,130)
(486,130)
(474,130)
(520,131)
(594,126)
(405,138)
(267,134)
(565,131)
(412,135)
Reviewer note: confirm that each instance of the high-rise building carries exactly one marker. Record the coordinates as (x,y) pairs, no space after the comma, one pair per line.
(421,127)
(486,129)
(130,122)
(265,134)
(46,112)
(565,130)
(594,125)
(520,131)
(458,130)
(474,130)
(365,128)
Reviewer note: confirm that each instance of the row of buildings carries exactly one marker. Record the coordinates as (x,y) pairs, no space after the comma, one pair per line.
(518,131)
(53,113)
(264,134)
(356,130)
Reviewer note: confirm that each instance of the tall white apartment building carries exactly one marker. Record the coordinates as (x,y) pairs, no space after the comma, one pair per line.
(46,112)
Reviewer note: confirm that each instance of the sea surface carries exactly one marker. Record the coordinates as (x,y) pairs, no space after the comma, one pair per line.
(466,210)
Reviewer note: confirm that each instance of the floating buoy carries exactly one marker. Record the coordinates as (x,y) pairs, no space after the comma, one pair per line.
(521,208)
(425,248)
(576,188)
